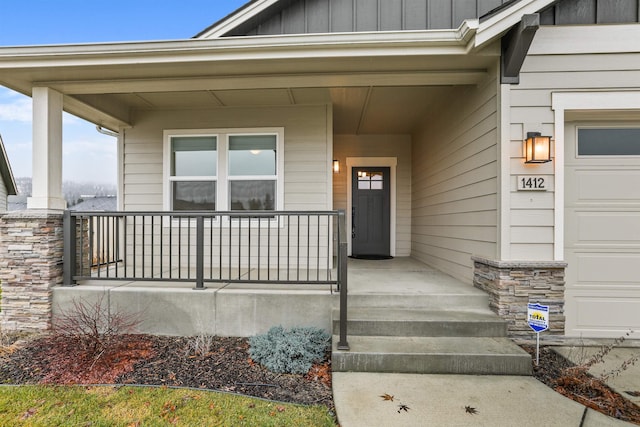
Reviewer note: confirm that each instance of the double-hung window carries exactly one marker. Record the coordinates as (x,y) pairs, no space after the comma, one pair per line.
(194,166)
(252,172)
(231,169)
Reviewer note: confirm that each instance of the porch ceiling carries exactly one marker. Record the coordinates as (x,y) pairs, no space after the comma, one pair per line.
(356,110)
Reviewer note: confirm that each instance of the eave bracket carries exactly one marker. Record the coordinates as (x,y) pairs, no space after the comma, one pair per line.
(515,45)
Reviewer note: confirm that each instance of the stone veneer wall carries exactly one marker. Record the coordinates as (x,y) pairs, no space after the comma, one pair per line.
(512,285)
(31,250)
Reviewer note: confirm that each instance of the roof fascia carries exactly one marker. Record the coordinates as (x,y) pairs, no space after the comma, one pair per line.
(6,172)
(455,41)
(236,18)
(495,25)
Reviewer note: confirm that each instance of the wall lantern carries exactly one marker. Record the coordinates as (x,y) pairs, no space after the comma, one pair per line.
(537,148)
(336,166)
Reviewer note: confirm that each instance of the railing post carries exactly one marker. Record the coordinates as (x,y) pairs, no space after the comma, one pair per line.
(69,236)
(342,279)
(199,252)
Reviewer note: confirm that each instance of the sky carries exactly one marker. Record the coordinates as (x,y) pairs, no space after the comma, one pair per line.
(88,156)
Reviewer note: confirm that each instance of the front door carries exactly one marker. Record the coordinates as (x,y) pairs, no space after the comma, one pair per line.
(370,225)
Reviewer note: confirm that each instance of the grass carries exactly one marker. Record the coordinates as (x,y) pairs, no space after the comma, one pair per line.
(147,406)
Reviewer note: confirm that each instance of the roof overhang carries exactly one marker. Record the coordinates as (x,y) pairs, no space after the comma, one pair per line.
(82,71)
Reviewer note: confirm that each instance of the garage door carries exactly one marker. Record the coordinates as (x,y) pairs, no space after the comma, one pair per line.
(602,229)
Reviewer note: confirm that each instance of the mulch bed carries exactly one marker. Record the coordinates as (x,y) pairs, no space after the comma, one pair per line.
(224,365)
(577,384)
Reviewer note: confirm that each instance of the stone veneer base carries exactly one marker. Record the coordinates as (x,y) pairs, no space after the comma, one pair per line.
(512,285)
(31,250)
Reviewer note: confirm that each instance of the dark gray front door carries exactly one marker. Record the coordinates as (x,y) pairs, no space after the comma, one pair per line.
(370,225)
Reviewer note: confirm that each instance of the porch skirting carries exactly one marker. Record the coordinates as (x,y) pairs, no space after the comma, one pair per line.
(31,249)
(511,285)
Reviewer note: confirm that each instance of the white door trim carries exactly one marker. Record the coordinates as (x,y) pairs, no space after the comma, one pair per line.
(576,101)
(391,163)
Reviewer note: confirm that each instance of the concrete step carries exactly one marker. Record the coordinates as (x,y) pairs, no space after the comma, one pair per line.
(421,323)
(472,300)
(432,355)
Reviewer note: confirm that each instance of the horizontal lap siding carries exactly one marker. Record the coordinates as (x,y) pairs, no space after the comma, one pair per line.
(454,182)
(398,146)
(307,146)
(3,196)
(559,60)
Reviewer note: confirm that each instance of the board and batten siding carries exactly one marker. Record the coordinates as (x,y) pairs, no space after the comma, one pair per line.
(398,146)
(326,16)
(307,151)
(455,181)
(561,59)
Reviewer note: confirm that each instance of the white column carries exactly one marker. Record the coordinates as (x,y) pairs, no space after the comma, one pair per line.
(47,150)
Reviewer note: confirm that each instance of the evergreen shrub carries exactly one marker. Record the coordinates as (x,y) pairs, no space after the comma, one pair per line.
(291,351)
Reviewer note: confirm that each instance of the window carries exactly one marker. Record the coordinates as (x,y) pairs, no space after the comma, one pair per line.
(224,170)
(252,172)
(609,142)
(194,163)
(370,181)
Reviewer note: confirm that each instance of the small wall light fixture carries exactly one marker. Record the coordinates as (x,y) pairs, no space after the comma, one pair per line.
(336,166)
(537,148)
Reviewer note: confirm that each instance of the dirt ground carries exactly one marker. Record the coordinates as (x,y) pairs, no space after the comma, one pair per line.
(577,384)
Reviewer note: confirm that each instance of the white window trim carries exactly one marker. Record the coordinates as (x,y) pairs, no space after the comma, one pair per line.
(561,102)
(222,177)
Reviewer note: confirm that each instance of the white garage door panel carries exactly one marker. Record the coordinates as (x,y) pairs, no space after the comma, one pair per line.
(608,268)
(607,185)
(602,240)
(606,227)
(597,316)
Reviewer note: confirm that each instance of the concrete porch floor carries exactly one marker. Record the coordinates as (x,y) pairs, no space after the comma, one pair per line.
(245,309)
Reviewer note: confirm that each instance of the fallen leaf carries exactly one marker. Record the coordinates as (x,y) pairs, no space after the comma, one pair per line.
(30,412)
(251,405)
(387,396)
(280,408)
(402,407)
(470,410)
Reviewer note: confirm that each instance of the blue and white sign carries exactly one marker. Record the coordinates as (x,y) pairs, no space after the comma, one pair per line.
(538,317)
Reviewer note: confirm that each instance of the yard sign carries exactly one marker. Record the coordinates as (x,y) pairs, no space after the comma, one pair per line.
(538,317)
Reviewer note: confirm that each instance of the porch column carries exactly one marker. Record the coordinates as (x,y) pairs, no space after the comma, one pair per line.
(47,151)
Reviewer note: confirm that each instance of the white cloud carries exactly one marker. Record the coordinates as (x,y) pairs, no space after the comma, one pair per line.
(16,110)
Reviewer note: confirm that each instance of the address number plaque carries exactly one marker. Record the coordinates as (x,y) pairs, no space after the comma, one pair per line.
(532,183)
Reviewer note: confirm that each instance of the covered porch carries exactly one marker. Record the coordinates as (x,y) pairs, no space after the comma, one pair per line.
(245,309)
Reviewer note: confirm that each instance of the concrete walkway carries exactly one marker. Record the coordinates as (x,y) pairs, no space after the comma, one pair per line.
(441,400)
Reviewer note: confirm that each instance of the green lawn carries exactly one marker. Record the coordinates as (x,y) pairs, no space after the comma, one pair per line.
(147,406)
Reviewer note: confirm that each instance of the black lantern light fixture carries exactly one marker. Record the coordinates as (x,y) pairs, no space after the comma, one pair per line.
(537,148)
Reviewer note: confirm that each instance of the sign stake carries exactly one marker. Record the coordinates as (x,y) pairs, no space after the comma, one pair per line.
(538,317)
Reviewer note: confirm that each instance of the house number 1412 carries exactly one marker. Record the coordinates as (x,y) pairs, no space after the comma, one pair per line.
(532,183)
